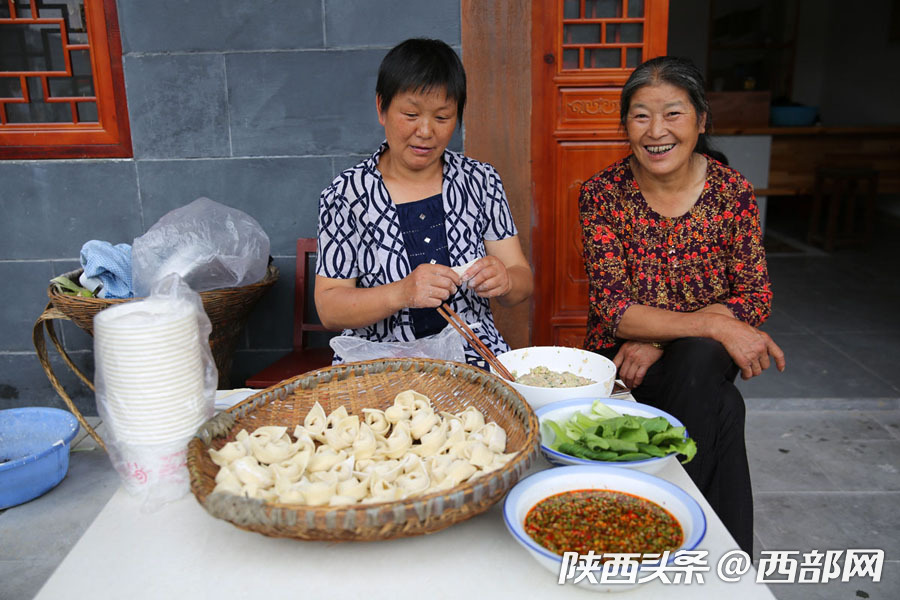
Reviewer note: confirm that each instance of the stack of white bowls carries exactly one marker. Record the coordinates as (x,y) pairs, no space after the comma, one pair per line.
(149,371)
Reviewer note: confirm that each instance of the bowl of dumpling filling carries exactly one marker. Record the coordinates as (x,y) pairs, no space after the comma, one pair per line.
(545,374)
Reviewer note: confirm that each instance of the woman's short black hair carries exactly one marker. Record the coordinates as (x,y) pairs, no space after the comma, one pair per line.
(682,73)
(422,65)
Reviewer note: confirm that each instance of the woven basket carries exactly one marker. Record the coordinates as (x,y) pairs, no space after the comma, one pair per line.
(370,384)
(228,310)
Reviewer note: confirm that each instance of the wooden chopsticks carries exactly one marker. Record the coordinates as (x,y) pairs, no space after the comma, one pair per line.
(466,332)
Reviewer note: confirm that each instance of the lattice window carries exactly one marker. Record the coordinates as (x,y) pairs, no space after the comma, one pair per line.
(62,93)
(602,34)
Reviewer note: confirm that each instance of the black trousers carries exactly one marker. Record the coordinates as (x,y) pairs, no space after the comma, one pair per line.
(694,381)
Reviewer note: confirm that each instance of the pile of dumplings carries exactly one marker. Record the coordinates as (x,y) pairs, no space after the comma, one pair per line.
(405,450)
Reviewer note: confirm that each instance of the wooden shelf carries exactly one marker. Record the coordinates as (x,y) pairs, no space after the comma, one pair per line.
(813,130)
(780,191)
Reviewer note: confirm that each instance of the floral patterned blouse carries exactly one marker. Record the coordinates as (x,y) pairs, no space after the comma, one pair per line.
(713,254)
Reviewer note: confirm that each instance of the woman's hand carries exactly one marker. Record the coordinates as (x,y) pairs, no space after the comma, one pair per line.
(633,359)
(428,286)
(489,277)
(749,347)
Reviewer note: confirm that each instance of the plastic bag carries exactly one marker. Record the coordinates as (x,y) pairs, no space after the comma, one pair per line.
(155,381)
(446,345)
(208,244)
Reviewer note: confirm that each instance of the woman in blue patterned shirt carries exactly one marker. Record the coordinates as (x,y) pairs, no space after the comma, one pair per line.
(391,228)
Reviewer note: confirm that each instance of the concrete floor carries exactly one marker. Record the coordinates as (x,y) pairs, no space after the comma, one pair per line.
(823,437)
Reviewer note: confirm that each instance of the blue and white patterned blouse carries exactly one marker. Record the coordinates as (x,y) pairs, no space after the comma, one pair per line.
(359,237)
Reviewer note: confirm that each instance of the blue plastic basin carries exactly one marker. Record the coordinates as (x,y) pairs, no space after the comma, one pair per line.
(34,451)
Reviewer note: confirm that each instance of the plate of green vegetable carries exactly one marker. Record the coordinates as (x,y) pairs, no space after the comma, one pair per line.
(623,433)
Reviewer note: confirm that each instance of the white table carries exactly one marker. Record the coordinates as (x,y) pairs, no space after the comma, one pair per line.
(181,551)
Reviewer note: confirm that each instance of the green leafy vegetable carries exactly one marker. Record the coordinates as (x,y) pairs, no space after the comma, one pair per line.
(603,411)
(604,434)
(582,452)
(66,286)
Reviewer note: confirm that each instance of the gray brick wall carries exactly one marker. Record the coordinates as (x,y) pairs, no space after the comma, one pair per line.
(255,105)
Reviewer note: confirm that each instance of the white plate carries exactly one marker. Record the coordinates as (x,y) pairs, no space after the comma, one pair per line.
(118,363)
(168,341)
(144,386)
(144,314)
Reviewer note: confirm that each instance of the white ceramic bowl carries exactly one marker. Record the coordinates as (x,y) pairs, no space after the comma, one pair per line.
(534,488)
(557,358)
(561,411)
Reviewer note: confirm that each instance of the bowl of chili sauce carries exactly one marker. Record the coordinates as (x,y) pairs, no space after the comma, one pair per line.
(604,510)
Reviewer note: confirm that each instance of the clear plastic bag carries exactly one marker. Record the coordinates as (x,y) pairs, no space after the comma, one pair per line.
(155,381)
(210,245)
(446,345)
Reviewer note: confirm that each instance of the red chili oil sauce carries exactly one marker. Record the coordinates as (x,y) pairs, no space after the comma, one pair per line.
(602,521)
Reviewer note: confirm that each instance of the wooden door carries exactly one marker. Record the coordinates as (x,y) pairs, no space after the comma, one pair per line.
(582,53)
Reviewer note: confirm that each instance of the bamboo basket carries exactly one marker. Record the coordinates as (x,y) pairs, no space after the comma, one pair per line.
(228,310)
(370,384)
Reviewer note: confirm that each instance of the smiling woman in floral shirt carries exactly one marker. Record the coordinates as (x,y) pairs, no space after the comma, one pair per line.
(678,282)
(711,254)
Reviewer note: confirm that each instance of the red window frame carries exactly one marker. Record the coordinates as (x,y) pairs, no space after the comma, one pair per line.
(110,136)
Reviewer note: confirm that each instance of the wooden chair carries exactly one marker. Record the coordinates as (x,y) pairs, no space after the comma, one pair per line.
(847,197)
(301,359)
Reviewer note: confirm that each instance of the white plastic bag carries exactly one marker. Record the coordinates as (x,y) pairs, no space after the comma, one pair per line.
(155,381)
(446,345)
(210,245)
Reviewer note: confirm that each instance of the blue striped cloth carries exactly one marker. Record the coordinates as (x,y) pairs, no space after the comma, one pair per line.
(111,265)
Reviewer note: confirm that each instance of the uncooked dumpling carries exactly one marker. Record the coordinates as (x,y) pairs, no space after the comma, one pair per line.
(229,453)
(399,441)
(354,488)
(397,413)
(226,475)
(493,436)
(269,432)
(271,450)
(325,458)
(344,469)
(288,470)
(340,459)
(413,483)
(304,439)
(478,454)
(250,472)
(471,418)
(364,445)
(229,487)
(459,471)
(387,470)
(376,420)
(421,423)
(382,490)
(343,433)
(315,422)
(317,493)
(461,269)
(336,416)
(431,442)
